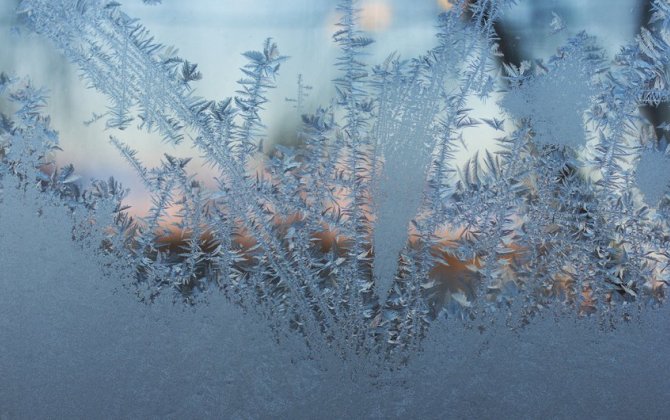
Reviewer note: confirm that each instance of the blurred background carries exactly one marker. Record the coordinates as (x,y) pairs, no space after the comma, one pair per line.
(214,33)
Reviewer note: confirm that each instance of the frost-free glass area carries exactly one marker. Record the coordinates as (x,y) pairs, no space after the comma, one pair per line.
(369,209)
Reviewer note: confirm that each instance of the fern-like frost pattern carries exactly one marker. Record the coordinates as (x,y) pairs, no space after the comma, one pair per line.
(369,232)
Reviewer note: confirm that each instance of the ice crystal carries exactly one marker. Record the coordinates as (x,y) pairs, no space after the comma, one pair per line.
(555,100)
(557,24)
(652,175)
(362,238)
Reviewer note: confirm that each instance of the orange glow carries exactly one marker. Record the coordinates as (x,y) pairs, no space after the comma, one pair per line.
(376,16)
(445,4)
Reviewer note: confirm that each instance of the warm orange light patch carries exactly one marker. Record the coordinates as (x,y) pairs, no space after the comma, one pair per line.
(376,16)
(445,4)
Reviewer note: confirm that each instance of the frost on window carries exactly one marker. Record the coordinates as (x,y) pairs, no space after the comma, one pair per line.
(652,175)
(417,218)
(553,97)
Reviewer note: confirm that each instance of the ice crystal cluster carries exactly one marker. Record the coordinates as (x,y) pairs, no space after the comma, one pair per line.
(366,234)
